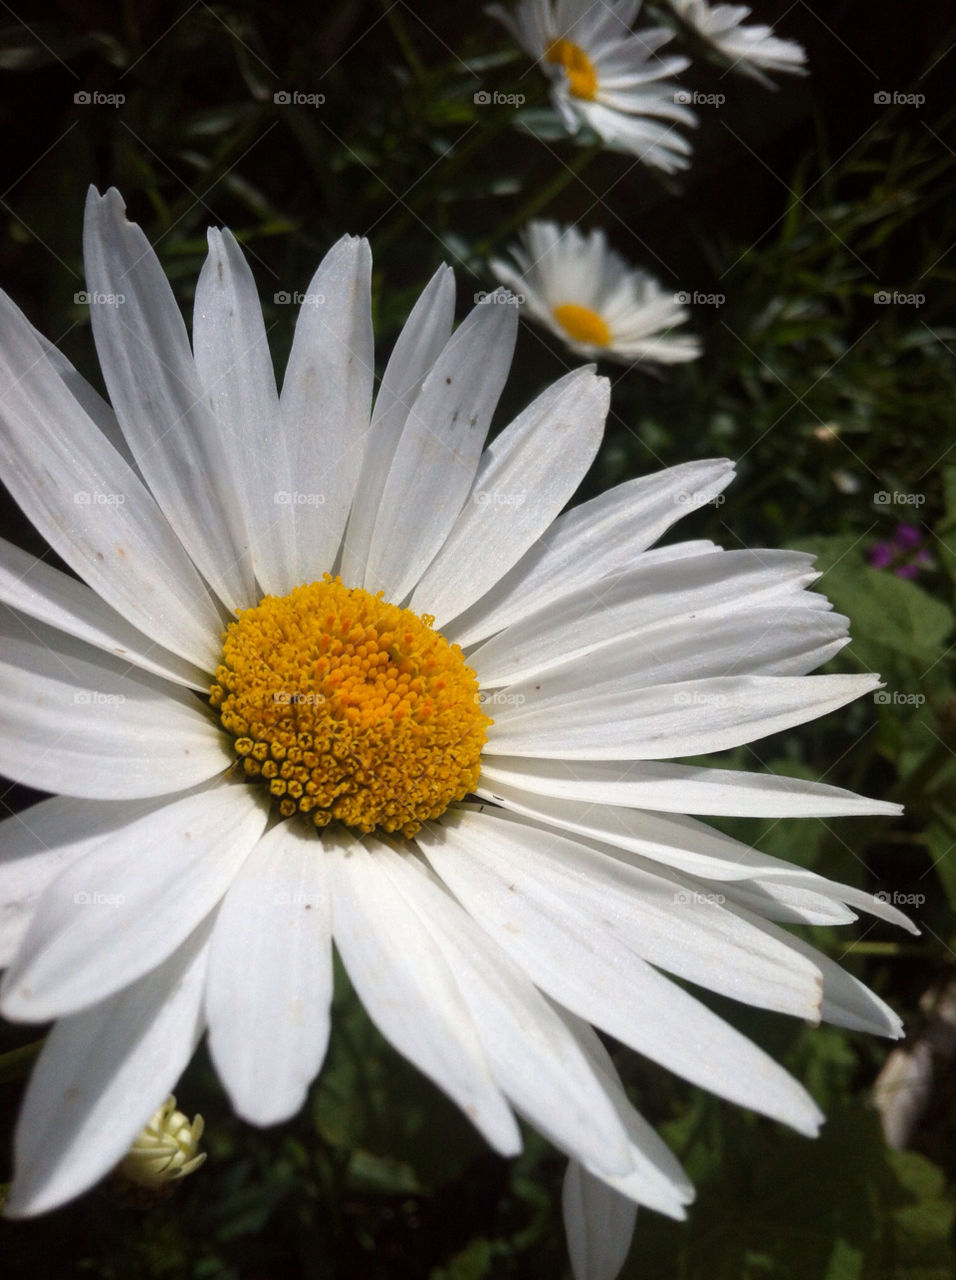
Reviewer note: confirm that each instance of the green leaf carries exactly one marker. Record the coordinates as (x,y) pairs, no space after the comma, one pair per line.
(886,613)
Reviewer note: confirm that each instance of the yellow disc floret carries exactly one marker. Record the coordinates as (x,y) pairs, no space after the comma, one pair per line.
(349,708)
(578,67)
(583,324)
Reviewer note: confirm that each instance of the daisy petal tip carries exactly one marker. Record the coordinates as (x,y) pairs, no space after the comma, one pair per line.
(264,1112)
(19,1206)
(17,1003)
(810,1124)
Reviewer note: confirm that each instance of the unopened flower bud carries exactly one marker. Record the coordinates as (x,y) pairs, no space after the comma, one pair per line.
(163,1154)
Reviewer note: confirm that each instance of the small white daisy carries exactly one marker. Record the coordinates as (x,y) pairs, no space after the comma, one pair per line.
(752,49)
(453,759)
(593,299)
(606,75)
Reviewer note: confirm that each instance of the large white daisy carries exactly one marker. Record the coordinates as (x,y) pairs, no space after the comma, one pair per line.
(593,299)
(751,49)
(494,889)
(605,75)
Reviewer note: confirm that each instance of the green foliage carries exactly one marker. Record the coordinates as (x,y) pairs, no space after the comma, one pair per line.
(840,1208)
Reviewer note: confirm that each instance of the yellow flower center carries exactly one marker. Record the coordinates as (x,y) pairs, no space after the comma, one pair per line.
(583,324)
(349,708)
(578,67)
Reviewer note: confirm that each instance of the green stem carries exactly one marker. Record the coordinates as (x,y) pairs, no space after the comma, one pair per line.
(16,1064)
(540,198)
(403,39)
(222,162)
(458,156)
(885,949)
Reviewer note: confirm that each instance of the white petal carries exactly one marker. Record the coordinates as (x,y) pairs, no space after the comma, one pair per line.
(678,842)
(591,972)
(437,456)
(149,371)
(693,847)
(100,1077)
(73,723)
(409,991)
(592,541)
(44,593)
(598,1224)
(789,904)
(90,505)
(419,345)
(37,844)
(235,370)
(687,719)
(526,476)
(681,788)
(532,1056)
(790,638)
(326,402)
(636,604)
(90,401)
(654,1165)
(121,909)
(270,976)
(650,911)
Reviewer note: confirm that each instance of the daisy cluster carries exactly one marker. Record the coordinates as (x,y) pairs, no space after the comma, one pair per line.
(328,670)
(613,82)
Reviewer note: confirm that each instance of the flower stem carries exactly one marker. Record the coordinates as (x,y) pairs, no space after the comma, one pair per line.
(16,1064)
(540,198)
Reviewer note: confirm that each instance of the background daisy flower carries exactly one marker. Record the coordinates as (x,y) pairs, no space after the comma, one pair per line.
(605,75)
(751,49)
(592,298)
(527,676)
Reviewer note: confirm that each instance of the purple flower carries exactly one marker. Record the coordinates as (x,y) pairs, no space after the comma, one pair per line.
(903,552)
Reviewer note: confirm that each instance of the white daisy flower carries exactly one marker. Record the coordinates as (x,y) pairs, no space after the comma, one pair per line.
(593,299)
(752,49)
(454,759)
(606,75)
